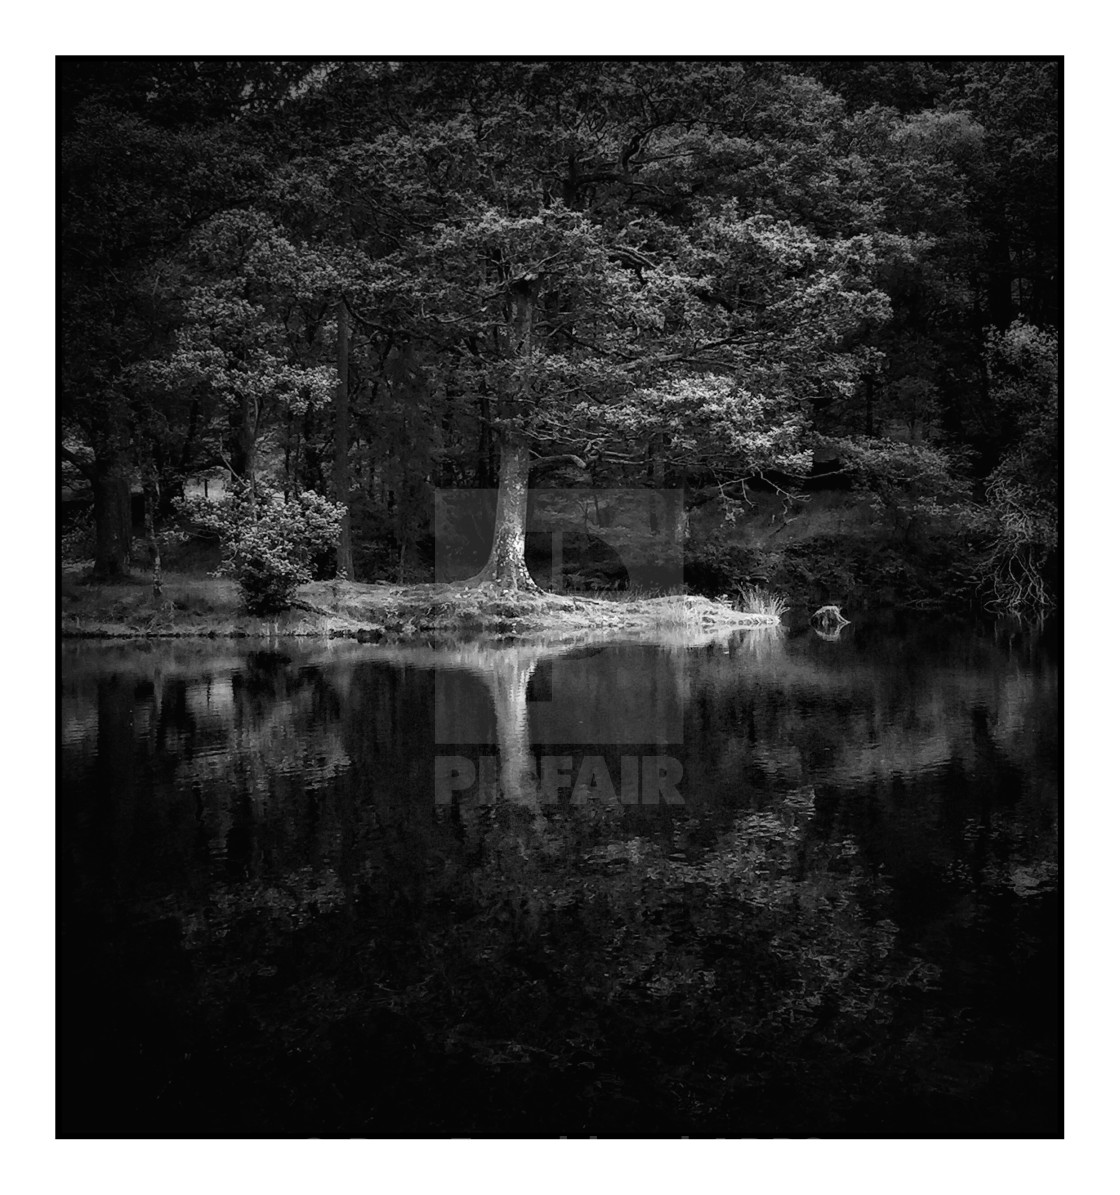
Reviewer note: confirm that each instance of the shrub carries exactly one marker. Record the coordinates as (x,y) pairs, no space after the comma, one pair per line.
(268,541)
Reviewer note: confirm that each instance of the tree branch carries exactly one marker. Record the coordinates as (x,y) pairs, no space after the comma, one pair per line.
(542,462)
(85,468)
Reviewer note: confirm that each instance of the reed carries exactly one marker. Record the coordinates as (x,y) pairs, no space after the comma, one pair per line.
(753,599)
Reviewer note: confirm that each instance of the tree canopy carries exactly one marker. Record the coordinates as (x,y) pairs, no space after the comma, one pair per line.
(370,279)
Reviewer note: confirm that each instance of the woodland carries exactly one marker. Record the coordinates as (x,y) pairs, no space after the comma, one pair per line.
(298,298)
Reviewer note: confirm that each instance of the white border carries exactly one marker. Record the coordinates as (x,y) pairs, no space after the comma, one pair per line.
(571,28)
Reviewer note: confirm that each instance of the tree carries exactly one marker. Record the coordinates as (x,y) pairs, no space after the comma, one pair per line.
(147,153)
(597,329)
(371,279)
(255,321)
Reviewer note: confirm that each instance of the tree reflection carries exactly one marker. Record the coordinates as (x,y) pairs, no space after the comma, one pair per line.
(274,930)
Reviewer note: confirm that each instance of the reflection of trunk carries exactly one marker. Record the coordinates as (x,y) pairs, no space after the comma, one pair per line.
(506,566)
(509,690)
(342,442)
(112,513)
(506,671)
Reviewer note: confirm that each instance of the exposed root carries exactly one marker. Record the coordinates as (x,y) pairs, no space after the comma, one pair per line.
(1014,581)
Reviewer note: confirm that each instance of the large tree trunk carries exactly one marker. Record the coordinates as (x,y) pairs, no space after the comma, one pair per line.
(506,566)
(345,557)
(112,516)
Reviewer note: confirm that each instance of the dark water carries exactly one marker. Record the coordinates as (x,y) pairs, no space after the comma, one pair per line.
(277,919)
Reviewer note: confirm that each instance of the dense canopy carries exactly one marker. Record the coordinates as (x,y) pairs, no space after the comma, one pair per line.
(373,279)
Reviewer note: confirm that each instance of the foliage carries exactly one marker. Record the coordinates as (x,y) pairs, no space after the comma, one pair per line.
(914,484)
(1022,491)
(714,565)
(269,541)
(871,568)
(77,542)
(724,262)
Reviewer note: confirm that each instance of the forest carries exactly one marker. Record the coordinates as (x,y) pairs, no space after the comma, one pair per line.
(299,298)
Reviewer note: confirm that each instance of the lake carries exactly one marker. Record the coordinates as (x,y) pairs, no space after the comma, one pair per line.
(764,883)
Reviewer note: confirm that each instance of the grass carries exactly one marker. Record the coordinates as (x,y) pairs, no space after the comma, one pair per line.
(210,606)
(753,599)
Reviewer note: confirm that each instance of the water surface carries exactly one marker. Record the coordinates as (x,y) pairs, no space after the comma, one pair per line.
(275,919)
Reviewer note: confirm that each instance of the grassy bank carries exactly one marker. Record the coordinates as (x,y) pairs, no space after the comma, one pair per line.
(208,606)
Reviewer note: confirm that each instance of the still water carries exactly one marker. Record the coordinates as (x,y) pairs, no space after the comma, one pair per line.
(761,884)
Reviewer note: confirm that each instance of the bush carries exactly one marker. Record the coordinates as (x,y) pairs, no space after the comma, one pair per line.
(268,541)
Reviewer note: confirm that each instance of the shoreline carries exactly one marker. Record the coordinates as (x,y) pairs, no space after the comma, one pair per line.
(208,608)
